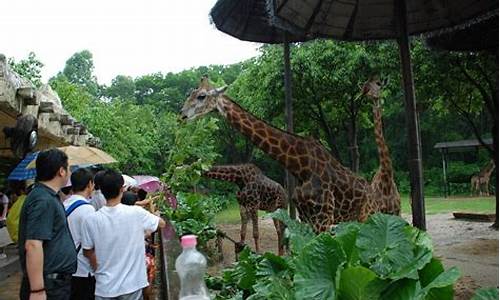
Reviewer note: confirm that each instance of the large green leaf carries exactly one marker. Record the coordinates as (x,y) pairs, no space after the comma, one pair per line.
(403,289)
(299,234)
(346,234)
(441,286)
(273,289)
(244,272)
(384,245)
(354,283)
(486,294)
(318,267)
(421,258)
(272,265)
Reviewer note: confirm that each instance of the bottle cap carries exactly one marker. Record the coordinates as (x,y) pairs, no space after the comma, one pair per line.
(188,241)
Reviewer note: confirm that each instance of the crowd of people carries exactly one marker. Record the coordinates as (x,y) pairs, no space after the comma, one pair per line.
(80,235)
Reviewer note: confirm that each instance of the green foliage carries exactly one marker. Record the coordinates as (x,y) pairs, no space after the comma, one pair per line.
(194,215)
(127,131)
(384,258)
(192,151)
(486,294)
(29,68)
(299,234)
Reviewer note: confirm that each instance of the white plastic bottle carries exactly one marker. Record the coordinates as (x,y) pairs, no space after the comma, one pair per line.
(191,266)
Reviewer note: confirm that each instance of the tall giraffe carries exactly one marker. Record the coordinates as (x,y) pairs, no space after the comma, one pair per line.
(257,192)
(327,193)
(481,181)
(383,185)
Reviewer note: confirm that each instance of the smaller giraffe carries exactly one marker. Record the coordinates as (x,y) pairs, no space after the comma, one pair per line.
(383,185)
(481,181)
(257,192)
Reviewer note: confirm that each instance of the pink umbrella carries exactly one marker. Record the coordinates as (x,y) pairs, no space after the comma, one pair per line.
(148,183)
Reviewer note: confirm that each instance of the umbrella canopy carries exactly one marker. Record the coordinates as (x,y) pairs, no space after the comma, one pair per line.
(249,20)
(481,36)
(20,172)
(82,156)
(377,19)
(150,184)
(129,181)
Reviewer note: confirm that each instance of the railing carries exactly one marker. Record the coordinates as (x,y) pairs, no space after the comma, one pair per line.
(170,248)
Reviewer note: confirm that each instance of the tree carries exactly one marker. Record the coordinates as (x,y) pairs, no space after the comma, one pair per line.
(29,68)
(79,69)
(122,87)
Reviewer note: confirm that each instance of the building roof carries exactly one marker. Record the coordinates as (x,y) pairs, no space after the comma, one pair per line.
(463,145)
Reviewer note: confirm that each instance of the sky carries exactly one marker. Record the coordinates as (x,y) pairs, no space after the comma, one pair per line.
(126,37)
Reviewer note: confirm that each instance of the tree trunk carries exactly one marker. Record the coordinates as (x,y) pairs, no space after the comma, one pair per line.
(352,134)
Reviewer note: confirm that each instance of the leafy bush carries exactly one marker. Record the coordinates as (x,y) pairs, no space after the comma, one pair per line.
(384,258)
(194,215)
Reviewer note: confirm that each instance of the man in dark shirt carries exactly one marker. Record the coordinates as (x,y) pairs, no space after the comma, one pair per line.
(46,249)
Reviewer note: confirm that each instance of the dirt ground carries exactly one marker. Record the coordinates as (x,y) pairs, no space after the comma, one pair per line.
(471,246)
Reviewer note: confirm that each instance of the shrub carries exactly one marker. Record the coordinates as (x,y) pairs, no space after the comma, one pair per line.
(384,258)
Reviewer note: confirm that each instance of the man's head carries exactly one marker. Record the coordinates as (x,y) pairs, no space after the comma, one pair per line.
(112,184)
(98,179)
(52,165)
(201,101)
(142,194)
(82,182)
(129,198)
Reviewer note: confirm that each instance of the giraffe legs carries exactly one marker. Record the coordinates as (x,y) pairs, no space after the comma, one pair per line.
(280,230)
(244,221)
(255,225)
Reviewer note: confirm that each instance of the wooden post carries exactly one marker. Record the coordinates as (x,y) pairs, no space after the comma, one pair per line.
(414,148)
(289,179)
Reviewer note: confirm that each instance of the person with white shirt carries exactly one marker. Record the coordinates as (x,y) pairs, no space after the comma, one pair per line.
(113,240)
(78,209)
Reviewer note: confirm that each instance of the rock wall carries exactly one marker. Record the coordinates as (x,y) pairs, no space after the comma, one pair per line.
(56,126)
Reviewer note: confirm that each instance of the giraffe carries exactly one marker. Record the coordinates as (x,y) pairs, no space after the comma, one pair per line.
(481,180)
(383,185)
(257,192)
(327,192)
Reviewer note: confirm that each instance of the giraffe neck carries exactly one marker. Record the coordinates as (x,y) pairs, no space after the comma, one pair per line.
(383,151)
(226,173)
(489,169)
(273,141)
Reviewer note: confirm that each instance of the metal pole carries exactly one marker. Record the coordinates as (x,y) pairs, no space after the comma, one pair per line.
(290,180)
(414,148)
(444,174)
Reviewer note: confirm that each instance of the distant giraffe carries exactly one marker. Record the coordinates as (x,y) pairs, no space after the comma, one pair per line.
(481,181)
(327,193)
(257,192)
(383,185)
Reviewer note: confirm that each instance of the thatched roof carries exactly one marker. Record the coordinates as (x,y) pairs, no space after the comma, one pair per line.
(378,19)
(249,20)
(480,36)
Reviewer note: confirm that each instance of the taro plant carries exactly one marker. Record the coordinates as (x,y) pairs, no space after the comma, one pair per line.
(384,258)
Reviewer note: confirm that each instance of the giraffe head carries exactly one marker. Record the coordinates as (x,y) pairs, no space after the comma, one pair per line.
(201,100)
(372,87)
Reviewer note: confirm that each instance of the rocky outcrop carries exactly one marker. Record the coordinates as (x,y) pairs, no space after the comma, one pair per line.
(56,127)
